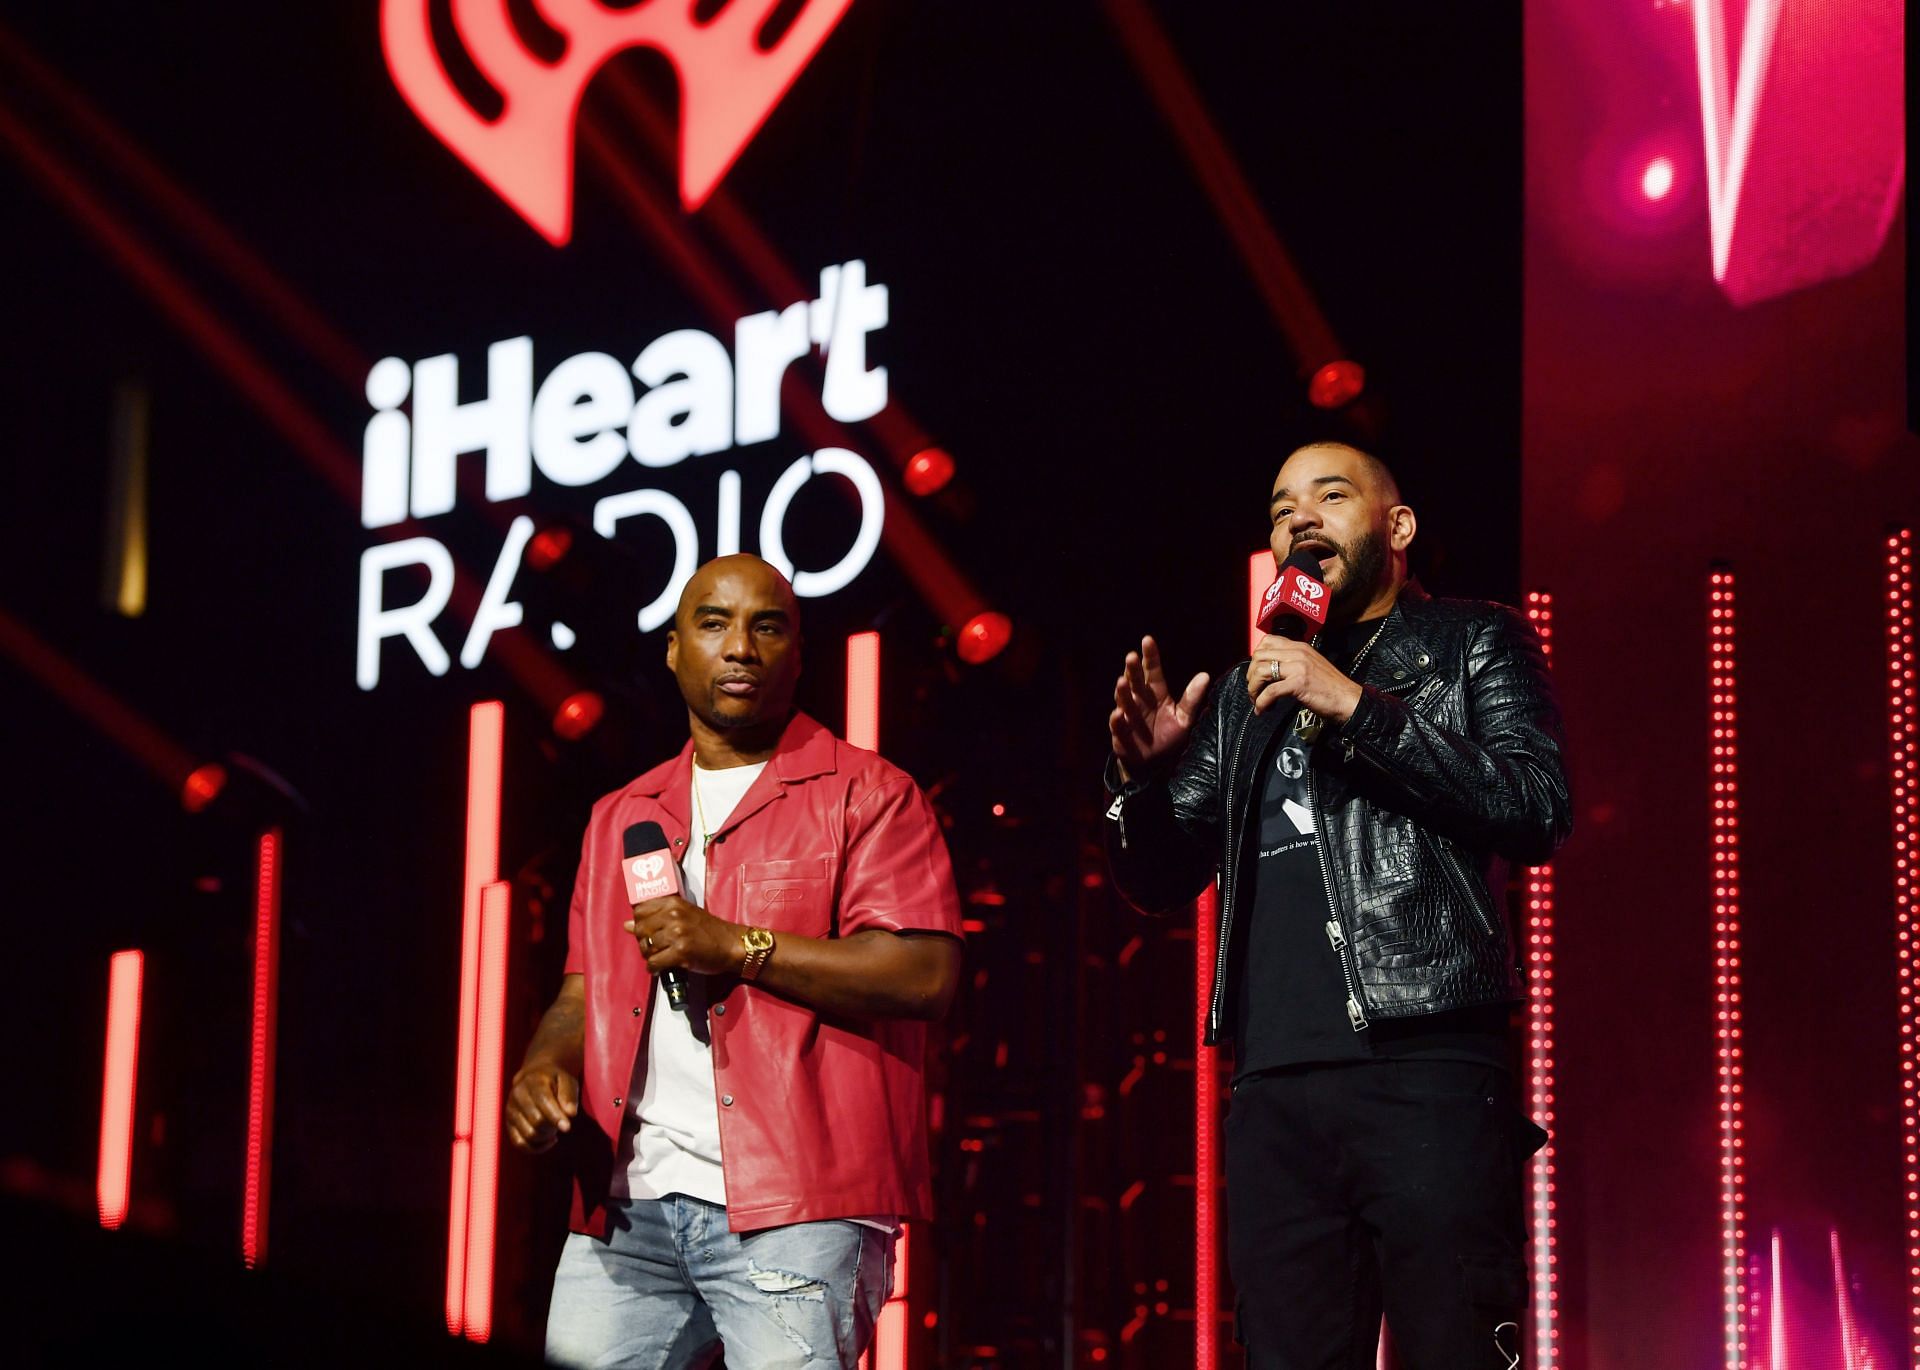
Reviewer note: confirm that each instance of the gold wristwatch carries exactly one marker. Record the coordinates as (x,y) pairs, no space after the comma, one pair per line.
(759,945)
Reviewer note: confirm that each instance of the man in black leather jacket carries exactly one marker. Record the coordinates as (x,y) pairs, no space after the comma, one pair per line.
(1360,799)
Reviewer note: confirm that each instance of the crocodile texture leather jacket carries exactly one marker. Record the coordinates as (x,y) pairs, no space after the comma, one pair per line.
(1448,773)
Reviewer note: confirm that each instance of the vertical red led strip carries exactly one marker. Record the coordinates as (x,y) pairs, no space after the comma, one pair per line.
(889,1351)
(1206,1142)
(1722,663)
(1902,738)
(124,975)
(485,738)
(1540,1196)
(490,1031)
(863,691)
(266,996)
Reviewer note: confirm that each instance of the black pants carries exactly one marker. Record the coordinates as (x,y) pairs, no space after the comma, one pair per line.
(1385,1185)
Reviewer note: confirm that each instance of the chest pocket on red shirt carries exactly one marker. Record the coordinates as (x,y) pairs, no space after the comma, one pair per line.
(788,896)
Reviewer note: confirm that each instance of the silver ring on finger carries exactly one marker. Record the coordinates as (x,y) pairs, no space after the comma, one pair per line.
(649,944)
(1273,670)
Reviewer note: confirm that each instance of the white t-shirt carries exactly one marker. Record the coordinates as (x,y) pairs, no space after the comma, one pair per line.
(676,1140)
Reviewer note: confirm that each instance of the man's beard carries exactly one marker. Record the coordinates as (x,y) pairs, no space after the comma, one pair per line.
(1365,562)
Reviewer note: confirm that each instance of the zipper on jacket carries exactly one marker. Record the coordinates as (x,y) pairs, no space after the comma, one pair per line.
(1226,883)
(1356,1015)
(1465,887)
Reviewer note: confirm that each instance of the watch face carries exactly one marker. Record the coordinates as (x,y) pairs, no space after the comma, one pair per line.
(759,939)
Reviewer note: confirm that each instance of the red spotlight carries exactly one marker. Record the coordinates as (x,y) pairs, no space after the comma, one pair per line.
(1656,182)
(1336,384)
(928,471)
(578,714)
(124,975)
(985,636)
(548,547)
(203,787)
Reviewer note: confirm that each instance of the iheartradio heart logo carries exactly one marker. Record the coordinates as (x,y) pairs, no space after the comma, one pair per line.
(649,867)
(729,85)
(1313,588)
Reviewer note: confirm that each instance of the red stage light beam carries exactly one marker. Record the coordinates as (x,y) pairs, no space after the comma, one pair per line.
(486,729)
(223,248)
(124,975)
(171,764)
(863,691)
(1904,744)
(1540,1069)
(1279,282)
(1722,666)
(266,1010)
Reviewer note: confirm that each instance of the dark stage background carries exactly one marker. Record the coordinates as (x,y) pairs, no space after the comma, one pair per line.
(1084,310)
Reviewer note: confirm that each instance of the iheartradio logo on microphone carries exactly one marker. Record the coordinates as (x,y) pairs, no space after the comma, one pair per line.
(733,68)
(1297,592)
(650,877)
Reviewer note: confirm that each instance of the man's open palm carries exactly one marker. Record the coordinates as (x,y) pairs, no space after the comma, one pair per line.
(1149,723)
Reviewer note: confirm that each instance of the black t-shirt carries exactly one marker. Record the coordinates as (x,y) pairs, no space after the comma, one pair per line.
(1291,999)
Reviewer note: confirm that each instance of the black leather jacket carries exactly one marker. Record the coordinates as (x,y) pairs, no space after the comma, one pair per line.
(1448,772)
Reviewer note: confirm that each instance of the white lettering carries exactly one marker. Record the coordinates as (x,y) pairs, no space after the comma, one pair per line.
(577,418)
(764,346)
(383,449)
(727,516)
(496,611)
(686,543)
(688,409)
(835,461)
(378,622)
(848,309)
(443,428)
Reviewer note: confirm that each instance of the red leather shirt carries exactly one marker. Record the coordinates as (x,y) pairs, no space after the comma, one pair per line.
(819,1118)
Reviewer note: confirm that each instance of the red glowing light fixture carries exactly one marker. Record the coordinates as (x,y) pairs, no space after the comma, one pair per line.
(1656,182)
(1724,766)
(124,975)
(1540,1069)
(266,1001)
(984,637)
(863,691)
(889,1350)
(1206,1144)
(928,471)
(1336,384)
(579,714)
(486,727)
(490,1033)
(203,787)
(729,83)
(548,547)
(1903,735)
(1260,572)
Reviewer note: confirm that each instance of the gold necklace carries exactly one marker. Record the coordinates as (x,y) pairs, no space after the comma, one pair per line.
(1307,723)
(700,808)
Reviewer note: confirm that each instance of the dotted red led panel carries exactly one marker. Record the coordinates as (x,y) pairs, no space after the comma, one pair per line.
(1722,672)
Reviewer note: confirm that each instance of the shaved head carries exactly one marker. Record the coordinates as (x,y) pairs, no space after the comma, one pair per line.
(761,575)
(1376,476)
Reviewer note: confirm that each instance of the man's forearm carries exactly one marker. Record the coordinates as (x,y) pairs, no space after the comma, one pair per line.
(872,974)
(561,1037)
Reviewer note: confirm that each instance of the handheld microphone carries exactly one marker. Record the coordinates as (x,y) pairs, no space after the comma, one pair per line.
(652,873)
(1296,603)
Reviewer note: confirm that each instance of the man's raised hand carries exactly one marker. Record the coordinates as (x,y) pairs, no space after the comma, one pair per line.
(1149,724)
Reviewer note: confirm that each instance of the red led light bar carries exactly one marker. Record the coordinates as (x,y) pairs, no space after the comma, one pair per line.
(124,975)
(1206,1143)
(1722,665)
(1540,1183)
(485,740)
(1260,572)
(266,1001)
(889,1350)
(1904,745)
(483,1193)
(863,690)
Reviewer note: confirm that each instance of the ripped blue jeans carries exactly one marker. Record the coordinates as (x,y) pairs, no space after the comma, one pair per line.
(670,1286)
